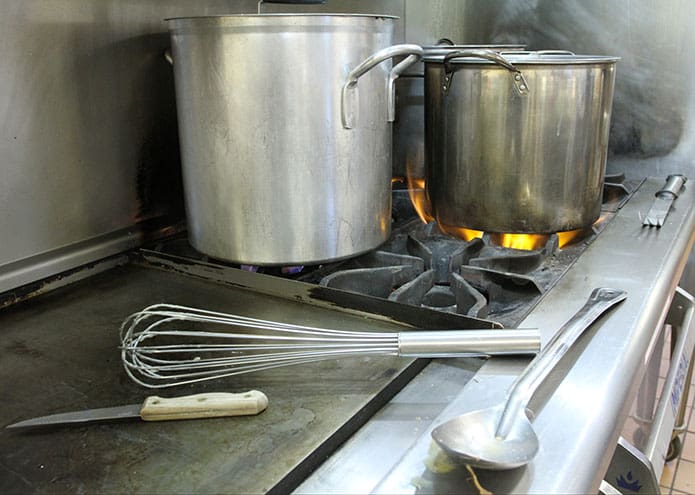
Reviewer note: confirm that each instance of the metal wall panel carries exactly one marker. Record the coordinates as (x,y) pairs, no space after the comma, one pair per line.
(654,103)
(87,124)
(653,131)
(461,21)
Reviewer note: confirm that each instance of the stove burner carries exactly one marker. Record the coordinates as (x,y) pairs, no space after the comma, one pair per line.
(422,266)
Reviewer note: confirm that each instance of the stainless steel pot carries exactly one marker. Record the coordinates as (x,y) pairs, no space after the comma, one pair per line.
(284,160)
(517,142)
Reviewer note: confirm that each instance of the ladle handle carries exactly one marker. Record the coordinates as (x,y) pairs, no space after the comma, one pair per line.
(522,390)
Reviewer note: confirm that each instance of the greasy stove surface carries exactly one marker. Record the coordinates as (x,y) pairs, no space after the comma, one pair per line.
(60,353)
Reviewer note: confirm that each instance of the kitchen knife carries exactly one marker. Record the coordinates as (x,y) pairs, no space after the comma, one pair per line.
(209,405)
(664,199)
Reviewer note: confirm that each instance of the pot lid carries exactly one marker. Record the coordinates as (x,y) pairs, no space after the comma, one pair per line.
(521,57)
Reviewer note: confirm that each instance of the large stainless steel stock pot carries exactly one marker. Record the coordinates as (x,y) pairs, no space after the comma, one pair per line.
(517,142)
(285,133)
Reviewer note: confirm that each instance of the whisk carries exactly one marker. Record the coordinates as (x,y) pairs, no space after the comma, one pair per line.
(157,353)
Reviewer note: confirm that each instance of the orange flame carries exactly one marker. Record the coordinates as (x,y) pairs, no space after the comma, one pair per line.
(462,232)
(530,242)
(526,242)
(416,190)
(570,236)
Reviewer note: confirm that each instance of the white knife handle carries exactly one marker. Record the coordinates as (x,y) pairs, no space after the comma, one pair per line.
(210,405)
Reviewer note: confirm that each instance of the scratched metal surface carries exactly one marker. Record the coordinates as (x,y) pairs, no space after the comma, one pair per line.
(58,352)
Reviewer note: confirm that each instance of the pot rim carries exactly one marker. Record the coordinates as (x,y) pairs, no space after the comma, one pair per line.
(280,14)
(476,46)
(521,59)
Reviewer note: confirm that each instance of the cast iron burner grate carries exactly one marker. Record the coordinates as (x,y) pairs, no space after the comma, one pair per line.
(422,266)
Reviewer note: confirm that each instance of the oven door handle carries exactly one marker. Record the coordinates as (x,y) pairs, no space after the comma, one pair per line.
(674,397)
(646,463)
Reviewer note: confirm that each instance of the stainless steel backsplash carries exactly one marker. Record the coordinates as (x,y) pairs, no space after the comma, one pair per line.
(88,139)
(654,104)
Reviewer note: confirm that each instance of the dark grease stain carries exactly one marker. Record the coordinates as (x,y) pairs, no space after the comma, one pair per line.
(21,349)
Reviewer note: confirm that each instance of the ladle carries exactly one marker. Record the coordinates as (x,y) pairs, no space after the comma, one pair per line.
(502,437)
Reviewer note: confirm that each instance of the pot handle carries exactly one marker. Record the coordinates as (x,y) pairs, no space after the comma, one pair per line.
(517,77)
(348,93)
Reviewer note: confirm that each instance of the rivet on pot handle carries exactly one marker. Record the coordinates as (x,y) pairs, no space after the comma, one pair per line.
(517,77)
(349,91)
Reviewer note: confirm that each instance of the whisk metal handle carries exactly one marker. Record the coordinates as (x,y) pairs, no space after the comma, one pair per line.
(455,343)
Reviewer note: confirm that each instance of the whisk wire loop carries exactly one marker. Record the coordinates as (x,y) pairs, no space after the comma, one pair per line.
(154,364)
(158,349)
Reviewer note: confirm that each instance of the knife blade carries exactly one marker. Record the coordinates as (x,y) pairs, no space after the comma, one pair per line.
(664,199)
(154,408)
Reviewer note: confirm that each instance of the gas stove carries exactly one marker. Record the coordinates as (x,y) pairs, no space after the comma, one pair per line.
(363,426)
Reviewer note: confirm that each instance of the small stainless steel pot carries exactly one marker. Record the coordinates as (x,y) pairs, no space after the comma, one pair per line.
(284,160)
(517,142)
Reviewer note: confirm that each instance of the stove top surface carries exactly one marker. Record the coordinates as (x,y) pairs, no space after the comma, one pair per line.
(422,267)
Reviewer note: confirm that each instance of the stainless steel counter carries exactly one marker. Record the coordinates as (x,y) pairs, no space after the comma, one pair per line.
(579,412)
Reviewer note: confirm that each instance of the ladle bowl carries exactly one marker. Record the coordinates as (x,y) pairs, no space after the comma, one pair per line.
(471,438)
(501,436)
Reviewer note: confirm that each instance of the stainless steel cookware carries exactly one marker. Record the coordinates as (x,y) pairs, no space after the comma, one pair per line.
(517,142)
(285,133)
